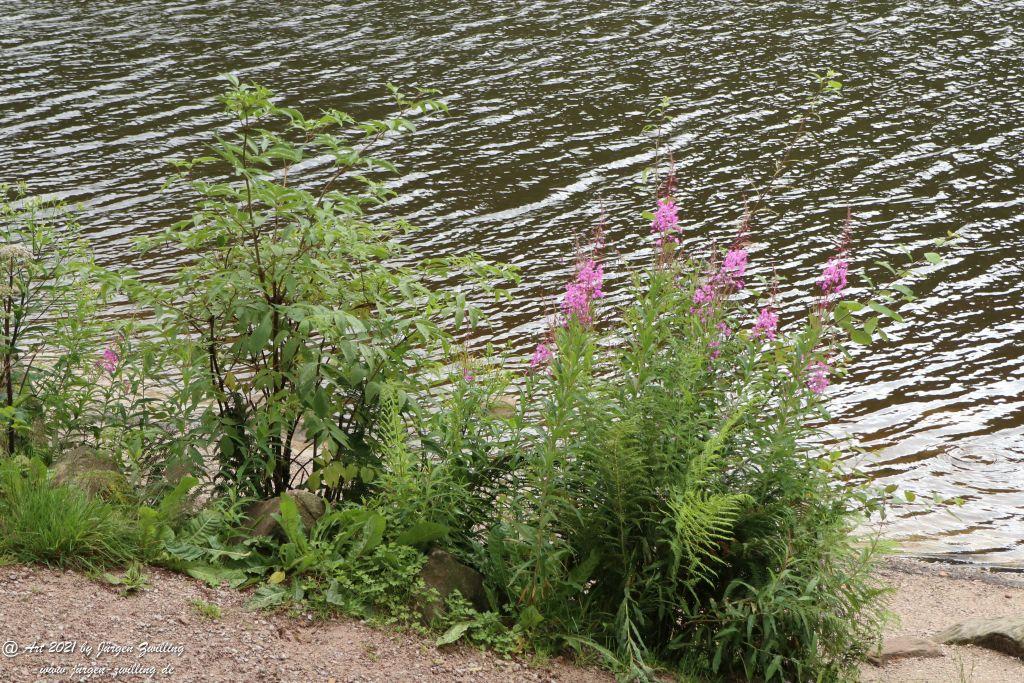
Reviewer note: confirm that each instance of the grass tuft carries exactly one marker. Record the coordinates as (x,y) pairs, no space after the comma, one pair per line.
(61,526)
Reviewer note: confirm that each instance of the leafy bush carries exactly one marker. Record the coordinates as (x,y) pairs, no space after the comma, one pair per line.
(69,374)
(668,507)
(61,526)
(47,323)
(298,306)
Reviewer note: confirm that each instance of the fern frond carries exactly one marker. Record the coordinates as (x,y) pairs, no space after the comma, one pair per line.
(701,523)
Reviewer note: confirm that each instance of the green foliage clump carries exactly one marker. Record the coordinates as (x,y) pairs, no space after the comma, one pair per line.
(61,526)
(133,580)
(207,610)
(663,512)
(462,623)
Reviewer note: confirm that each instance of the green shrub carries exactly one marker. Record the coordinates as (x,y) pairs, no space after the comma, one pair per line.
(670,507)
(61,526)
(298,306)
(48,329)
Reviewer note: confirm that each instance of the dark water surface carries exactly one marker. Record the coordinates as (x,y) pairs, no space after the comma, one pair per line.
(548,100)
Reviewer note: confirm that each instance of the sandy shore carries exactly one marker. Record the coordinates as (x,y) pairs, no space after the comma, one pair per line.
(930,597)
(168,635)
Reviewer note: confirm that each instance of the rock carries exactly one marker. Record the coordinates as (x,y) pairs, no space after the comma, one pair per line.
(904,646)
(1003,634)
(445,574)
(504,406)
(175,471)
(93,473)
(260,514)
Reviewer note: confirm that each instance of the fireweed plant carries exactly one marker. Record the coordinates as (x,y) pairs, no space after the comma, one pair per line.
(57,374)
(670,505)
(669,511)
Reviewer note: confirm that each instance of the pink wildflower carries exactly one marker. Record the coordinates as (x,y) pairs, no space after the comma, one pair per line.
(590,276)
(817,378)
(541,356)
(833,277)
(579,294)
(576,303)
(767,324)
(728,279)
(109,360)
(734,265)
(467,375)
(704,295)
(666,222)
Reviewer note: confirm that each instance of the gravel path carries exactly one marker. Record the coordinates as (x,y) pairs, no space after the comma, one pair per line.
(171,641)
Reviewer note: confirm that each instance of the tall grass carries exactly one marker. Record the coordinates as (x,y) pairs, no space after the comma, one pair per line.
(61,526)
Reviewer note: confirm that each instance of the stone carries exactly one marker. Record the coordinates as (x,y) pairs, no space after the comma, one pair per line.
(1002,634)
(95,474)
(175,471)
(504,407)
(260,515)
(900,647)
(445,574)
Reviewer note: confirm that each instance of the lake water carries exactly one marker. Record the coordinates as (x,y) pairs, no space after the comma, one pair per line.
(547,104)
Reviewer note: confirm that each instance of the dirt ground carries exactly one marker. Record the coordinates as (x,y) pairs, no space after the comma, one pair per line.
(68,628)
(171,641)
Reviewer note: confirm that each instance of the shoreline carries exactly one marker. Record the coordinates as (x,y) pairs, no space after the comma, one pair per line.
(946,568)
(930,596)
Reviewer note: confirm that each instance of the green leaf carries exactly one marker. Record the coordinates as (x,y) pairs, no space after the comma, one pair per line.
(321,404)
(885,310)
(454,633)
(580,574)
(933,258)
(333,596)
(861,337)
(907,293)
(373,534)
(268,596)
(260,336)
(276,578)
(215,575)
(291,521)
(332,473)
(530,618)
